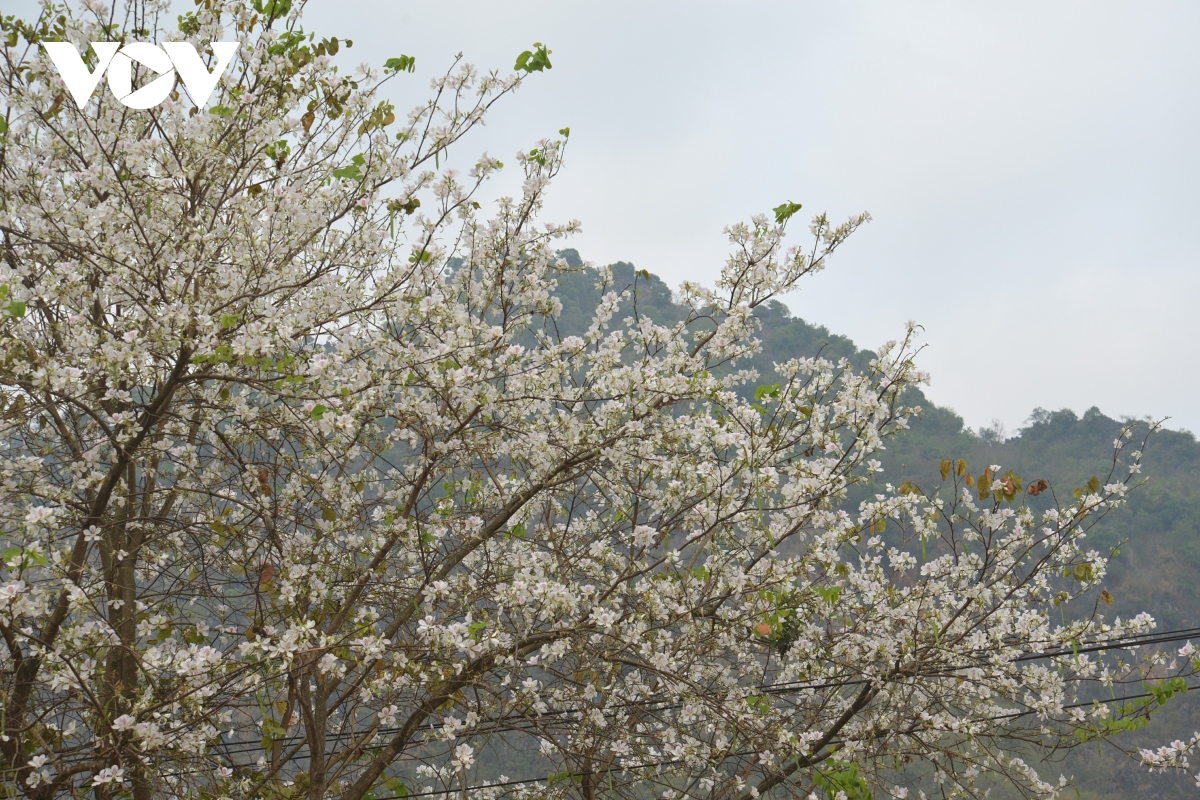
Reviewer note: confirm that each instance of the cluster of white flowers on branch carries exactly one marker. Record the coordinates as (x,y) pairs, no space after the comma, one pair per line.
(303,494)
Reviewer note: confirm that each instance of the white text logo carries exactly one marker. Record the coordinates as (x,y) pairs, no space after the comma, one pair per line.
(178,57)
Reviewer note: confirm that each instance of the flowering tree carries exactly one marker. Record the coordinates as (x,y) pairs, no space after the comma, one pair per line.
(304,494)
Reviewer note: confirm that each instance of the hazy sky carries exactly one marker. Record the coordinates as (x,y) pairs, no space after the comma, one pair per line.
(1032,168)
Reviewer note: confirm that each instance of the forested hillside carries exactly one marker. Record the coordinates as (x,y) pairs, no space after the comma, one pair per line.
(1157,534)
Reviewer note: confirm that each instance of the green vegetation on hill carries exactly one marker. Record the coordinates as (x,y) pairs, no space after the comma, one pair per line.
(1157,534)
(1159,566)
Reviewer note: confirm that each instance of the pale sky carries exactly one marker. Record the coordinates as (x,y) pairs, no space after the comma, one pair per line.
(1031,167)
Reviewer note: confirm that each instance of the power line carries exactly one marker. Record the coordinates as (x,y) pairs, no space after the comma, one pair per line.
(546,778)
(780,689)
(783,688)
(777,689)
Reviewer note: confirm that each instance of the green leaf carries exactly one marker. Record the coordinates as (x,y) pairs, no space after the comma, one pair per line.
(829,594)
(288,43)
(230,320)
(19,558)
(279,151)
(3,126)
(221,111)
(401,64)
(534,60)
(273,728)
(273,9)
(838,777)
(353,171)
(759,703)
(409,206)
(318,411)
(383,115)
(566,132)
(16,309)
(1093,485)
(785,211)
(396,786)
(766,390)
(560,777)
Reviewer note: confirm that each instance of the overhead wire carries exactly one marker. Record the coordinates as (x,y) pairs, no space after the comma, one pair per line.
(778,689)
(657,764)
(509,723)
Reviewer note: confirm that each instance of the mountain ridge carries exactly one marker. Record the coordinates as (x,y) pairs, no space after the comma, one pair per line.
(1157,532)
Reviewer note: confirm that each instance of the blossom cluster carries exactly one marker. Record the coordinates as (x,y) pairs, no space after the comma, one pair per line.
(303,488)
